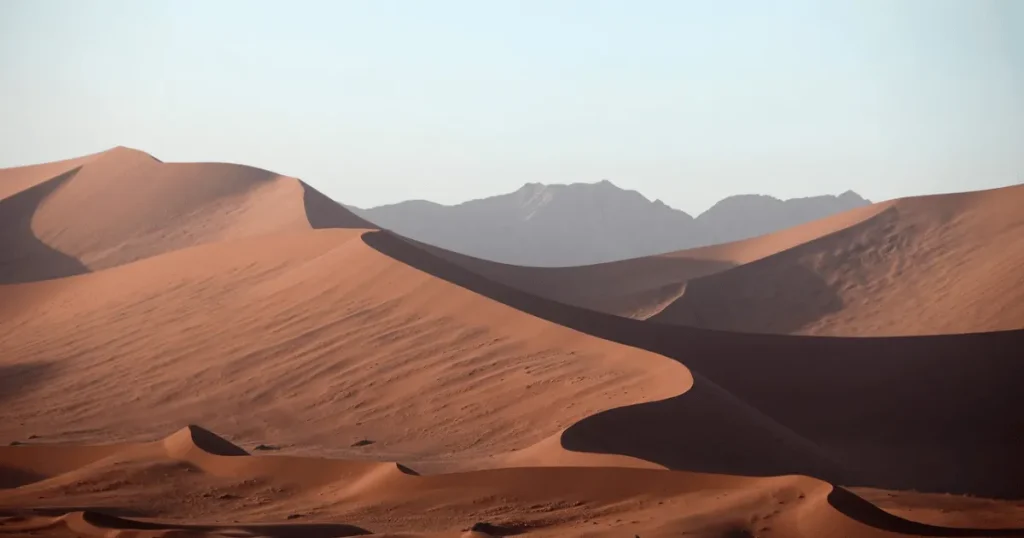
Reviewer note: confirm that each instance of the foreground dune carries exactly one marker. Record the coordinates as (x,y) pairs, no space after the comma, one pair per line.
(197,483)
(246,302)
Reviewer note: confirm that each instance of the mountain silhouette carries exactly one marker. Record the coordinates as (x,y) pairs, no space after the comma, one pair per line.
(587,223)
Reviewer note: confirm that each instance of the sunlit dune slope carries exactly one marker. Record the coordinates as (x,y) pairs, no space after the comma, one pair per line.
(123,205)
(927,265)
(310,339)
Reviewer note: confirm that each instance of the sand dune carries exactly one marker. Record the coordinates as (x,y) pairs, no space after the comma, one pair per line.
(310,324)
(928,265)
(141,297)
(937,419)
(207,485)
(123,205)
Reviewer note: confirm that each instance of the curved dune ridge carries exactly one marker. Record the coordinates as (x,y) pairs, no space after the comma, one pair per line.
(212,478)
(123,205)
(249,303)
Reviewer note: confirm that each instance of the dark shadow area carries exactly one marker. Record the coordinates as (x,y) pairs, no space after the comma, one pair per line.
(896,413)
(860,510)
(593,286)
(310,530)
(17,379)
(705,429)
(322,212)
(491,529)
(11,478)
(744,300)
(57,511)
(212,443)
(23,257)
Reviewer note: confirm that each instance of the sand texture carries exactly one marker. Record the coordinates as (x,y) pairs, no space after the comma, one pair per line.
(217,350)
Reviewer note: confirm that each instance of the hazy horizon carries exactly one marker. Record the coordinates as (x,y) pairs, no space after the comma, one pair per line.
(380,102)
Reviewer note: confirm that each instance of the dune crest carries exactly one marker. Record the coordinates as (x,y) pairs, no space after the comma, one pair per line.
(191,439)
(124,205)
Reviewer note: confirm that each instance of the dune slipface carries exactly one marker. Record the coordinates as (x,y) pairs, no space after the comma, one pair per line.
(211,349)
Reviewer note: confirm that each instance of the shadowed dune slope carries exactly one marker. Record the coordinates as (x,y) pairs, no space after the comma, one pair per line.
(928,265)
(929,413)
(640,288)
(204,492)
(123,205)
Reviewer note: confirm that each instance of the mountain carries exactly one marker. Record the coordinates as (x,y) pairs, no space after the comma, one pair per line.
(588,223)
(750,215)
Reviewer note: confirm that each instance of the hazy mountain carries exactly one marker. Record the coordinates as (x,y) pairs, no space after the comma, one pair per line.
(749,215)
(584,223)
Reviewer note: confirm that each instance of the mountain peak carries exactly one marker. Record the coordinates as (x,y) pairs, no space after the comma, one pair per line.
(582,223)
(853,197)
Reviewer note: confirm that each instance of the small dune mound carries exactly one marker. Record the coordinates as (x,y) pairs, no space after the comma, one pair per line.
(194,438)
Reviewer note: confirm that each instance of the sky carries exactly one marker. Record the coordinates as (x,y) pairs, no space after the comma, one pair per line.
(378,101)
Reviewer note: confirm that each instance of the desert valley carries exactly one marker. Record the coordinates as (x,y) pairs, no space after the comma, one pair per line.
(203,349)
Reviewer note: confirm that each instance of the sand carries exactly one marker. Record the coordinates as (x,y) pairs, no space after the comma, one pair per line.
(929,265)
(218,350)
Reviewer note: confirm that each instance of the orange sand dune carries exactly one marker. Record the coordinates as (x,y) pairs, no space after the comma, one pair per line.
(249,335)
(928,265)
(640,288)
(141,296)
(207,485)
(124,205)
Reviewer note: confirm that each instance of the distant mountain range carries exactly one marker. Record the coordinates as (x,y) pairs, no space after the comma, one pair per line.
(586,223)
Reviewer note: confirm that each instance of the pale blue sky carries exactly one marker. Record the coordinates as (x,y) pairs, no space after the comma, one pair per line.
(377,101)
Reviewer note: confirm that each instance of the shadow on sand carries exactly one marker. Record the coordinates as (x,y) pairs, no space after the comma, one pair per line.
(309,530)
(18,379)
(932,414)
(23,257)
